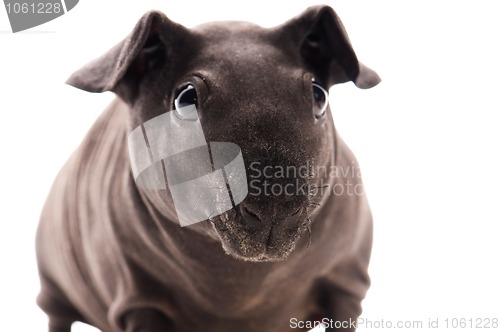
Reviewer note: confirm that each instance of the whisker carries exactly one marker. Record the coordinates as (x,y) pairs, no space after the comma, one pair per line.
(308,228)
(313,204)
(318,187)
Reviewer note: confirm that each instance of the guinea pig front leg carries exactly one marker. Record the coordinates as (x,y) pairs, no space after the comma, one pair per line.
(340,293)
(146,320)
(343,310)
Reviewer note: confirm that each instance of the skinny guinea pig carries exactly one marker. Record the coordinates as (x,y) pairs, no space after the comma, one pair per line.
(113,254)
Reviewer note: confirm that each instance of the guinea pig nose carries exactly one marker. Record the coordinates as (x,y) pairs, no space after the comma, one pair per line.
(250,217)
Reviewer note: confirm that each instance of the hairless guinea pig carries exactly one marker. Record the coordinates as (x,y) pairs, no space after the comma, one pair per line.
(203,197)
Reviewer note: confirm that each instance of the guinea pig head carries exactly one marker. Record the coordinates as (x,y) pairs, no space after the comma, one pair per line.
(263,89)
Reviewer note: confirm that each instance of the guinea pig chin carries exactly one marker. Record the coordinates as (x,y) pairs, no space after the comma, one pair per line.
(258,236)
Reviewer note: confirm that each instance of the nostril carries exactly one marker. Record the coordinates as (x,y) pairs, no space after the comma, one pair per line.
(250,216)
(293,219)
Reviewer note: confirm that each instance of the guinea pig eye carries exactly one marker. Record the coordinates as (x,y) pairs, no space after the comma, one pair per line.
(185,103)
(320,102)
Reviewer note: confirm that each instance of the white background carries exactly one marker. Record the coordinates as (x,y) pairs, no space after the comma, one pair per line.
(427,140)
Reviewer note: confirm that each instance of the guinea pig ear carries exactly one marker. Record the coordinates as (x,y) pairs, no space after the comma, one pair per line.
(123,67)
(325,49)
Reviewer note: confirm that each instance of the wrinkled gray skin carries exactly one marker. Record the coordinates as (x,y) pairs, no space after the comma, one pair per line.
(114,256)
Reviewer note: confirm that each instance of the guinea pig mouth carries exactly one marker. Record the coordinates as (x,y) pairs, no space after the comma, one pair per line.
(270,242)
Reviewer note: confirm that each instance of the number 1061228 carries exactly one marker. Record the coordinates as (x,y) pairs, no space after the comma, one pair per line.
(34,8)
